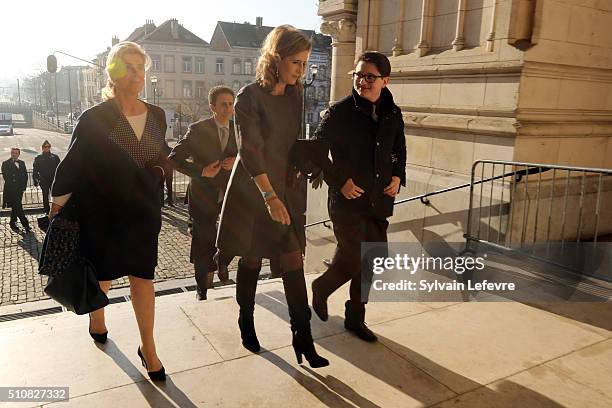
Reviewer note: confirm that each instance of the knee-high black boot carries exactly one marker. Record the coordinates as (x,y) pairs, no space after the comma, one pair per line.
(246,286)
(299,313)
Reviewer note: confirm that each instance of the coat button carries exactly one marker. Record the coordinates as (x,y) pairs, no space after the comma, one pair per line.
(377,175)
(377,143)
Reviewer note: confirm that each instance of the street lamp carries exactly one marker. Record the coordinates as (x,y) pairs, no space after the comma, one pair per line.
(154,85)
(308,83)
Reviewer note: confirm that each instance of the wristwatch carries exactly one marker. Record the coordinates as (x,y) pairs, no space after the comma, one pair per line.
(268,195)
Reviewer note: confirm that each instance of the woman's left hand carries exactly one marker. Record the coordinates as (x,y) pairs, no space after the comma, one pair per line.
(392,189)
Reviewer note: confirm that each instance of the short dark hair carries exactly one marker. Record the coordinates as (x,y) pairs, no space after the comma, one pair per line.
(46,144)
(218,90)
(379,60)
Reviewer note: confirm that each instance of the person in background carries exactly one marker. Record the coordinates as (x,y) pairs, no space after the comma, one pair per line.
(45,165)
(210,144)
(15,183)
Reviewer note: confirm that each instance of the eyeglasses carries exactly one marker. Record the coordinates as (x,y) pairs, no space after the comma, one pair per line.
(369,78)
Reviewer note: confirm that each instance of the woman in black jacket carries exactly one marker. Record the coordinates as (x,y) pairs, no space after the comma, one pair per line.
(365,134)
(263,212)
(113,173)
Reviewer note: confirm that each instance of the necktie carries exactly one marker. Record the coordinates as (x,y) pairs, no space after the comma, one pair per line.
(224,137)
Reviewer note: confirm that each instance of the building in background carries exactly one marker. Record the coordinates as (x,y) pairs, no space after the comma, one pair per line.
(507,80)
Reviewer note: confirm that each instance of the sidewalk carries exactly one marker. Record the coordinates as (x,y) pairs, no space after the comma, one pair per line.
(19,254)
(501,354)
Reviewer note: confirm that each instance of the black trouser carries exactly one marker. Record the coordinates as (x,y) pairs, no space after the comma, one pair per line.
(17,211)
(203,249)
(45,187)
(169,175)
(350,232)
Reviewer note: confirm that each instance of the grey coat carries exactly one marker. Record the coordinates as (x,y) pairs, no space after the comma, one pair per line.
(267,127)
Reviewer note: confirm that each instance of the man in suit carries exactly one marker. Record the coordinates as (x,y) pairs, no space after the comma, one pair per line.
(207,154)
(44,171)
(15,182)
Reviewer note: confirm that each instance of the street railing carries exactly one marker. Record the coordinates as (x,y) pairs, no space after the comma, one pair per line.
(33,196)
(549,212)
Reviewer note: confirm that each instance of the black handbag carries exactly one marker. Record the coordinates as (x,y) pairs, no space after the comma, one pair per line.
(72,278)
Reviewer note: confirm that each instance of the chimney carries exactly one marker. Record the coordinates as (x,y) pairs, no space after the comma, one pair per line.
(258,21)
(174,28)
(115,40)
(149,27)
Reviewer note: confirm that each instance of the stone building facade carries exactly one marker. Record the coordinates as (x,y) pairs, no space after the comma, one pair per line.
(515,80)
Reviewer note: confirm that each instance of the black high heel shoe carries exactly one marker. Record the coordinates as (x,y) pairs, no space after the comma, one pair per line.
(159,375)
(303,345)
(98,337)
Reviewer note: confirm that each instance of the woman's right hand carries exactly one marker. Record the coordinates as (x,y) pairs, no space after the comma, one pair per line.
(278,211)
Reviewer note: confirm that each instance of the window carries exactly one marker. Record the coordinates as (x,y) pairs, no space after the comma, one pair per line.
(200,90)
(236,86)
(310,94)
(309,117)
(199,65)
(248,67)
(169,86)
(219,66)
(236,67)
(155,63)
(321,94)
(220,83)
(322,74)
(187,64)
(187,89)
(169,63)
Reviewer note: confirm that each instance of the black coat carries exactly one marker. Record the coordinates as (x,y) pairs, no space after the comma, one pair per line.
(15,181)
(44,168)
(267,127)
(368,151)
(118,202)
(201,144)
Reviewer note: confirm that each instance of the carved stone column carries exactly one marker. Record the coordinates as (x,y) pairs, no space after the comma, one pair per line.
(343,33)
(340,22)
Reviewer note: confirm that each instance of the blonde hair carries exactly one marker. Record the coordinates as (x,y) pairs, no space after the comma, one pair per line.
(115,55)
(283,41)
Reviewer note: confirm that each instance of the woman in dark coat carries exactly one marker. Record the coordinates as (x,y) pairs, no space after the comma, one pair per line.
(365,134)
(263,213)
(113,173)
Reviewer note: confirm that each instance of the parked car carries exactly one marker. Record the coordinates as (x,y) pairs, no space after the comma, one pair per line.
(6,124)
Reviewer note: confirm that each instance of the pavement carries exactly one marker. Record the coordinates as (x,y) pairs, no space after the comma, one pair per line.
(455,354)
(20,281)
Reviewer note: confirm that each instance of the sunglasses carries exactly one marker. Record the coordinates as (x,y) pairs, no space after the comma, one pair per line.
(369,78)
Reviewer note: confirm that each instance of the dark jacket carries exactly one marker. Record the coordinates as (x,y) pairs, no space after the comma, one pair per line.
(15,181)
(201,144)
(118,202)
(267,127)
(44,168)
(367,150)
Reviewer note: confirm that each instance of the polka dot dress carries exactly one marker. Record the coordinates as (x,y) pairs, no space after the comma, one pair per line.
(141,151)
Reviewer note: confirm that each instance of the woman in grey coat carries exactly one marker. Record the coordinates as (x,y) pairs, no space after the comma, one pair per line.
(263,213)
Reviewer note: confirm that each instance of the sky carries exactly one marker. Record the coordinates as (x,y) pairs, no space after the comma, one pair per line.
(32,29)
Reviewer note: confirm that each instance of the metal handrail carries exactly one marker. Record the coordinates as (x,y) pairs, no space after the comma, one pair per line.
(423,197)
